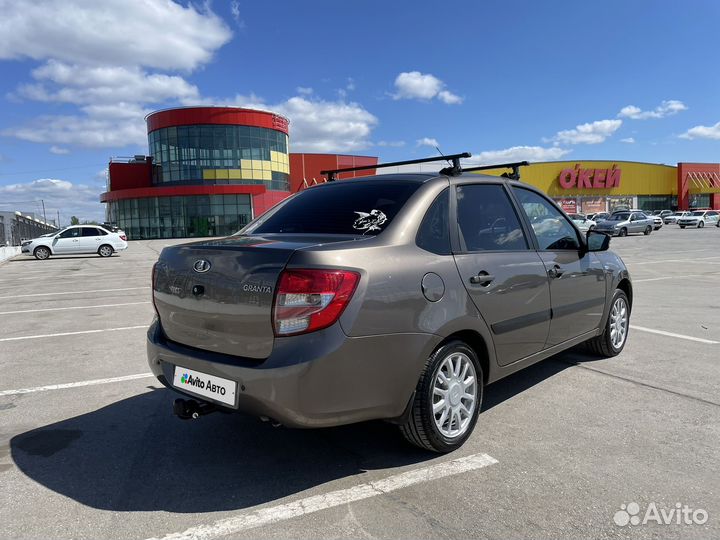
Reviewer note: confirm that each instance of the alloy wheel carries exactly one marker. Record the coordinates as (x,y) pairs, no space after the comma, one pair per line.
(618,323)
(454,395)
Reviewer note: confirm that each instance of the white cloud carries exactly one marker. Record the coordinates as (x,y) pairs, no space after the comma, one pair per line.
(113,126)
(518,153)
(589,133)
(629,140)
(702,132)
(81,200)
(427,141)
(449,98)
(327,126)
(153,33)
(235,12)
(666,108)
(390,144)
(59,150)
(103,84)
(304,90)
(423,86)
(95,56)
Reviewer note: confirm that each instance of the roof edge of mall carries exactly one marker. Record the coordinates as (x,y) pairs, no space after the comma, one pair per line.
(212,169)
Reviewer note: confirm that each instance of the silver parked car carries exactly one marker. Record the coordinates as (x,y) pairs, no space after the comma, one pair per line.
(625,222)
(394,297)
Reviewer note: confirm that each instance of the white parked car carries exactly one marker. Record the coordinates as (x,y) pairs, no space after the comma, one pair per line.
(582,222)
(673,218)
(700,218)
(76,239)
(658,221)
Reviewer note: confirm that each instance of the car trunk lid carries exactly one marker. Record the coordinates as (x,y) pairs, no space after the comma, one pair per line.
(217,295)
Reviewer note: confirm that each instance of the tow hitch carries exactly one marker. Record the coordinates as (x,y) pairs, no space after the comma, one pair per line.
(188,409)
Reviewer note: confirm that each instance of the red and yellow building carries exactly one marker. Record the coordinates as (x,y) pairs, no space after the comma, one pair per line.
(209,171)
(600,186)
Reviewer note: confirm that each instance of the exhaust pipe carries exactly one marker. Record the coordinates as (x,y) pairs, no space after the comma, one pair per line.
(189,409)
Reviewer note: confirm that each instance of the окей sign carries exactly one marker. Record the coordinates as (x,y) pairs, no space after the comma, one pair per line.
(590,178)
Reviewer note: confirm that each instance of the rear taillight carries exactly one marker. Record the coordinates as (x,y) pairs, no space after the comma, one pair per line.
(152,288)
(311,299)
(123,238)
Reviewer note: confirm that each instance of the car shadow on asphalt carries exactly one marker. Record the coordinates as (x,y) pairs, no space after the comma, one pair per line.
(133,455)
(526,378)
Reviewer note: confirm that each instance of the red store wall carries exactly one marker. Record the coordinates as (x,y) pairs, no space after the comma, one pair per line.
(308,167)
(710,172)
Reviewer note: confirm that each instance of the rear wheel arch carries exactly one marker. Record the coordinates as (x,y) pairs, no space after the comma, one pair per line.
(625,286)
(477,343)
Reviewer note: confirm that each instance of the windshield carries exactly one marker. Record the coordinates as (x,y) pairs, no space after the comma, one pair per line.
(697,213)
(619,217)
(355,208)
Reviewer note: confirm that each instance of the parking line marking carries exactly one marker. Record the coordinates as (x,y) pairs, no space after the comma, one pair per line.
(316,503)
(19,338)
(73,292)
(73,307)
(92,382)
(713,274)
(695,259)
(671,334)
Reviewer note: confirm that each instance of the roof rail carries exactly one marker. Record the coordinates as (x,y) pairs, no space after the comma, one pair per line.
(515,166)
(453,170)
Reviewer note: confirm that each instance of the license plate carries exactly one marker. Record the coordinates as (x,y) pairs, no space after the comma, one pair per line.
(210,386)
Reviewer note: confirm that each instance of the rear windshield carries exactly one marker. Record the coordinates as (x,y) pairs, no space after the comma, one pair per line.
(352,208)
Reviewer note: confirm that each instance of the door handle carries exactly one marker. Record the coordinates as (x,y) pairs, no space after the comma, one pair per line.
(483,278)
(555,272)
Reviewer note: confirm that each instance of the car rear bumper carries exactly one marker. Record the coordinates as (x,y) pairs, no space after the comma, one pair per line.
(315,380)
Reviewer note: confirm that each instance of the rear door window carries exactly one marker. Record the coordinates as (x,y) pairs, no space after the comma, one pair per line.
(357,208)
(487,220)
(90,231)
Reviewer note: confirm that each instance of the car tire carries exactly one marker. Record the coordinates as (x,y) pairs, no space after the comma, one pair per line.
(701,225)
(41,253)
(105,250)
(682,226)
(607,343)
(425,426)
(590,228)
(647,230)
(623,232)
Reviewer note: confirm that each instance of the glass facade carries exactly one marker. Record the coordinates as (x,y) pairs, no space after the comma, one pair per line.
(221,154)
(181,216)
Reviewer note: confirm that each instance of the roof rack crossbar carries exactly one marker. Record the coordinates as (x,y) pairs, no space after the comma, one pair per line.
(453,170)
(515,166)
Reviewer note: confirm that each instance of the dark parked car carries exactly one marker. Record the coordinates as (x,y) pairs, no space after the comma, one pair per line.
(394,297)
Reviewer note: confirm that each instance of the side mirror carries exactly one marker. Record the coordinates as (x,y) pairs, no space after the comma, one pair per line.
(597,241)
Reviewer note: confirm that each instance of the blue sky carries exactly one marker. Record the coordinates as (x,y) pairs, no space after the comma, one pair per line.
(504,80)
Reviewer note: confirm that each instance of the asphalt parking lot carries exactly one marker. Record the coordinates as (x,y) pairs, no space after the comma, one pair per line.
(89,447)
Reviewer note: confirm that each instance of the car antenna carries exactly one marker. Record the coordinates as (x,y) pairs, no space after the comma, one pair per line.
(454,170)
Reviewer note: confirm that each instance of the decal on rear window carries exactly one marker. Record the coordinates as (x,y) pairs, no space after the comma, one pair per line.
(369,222)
